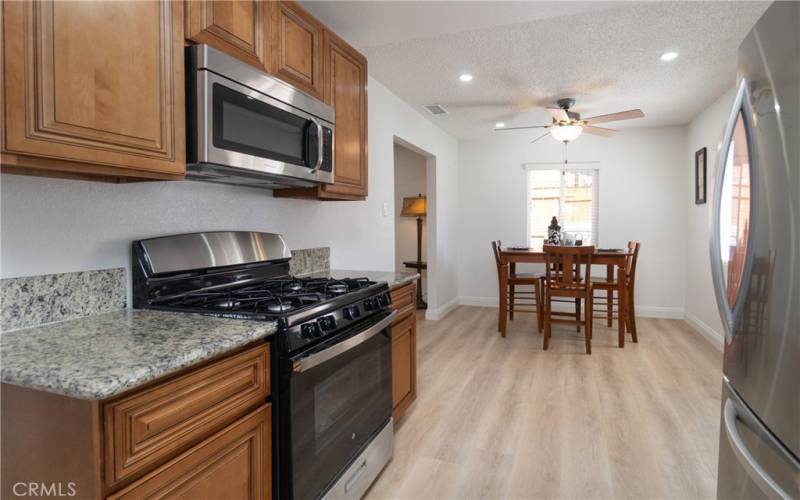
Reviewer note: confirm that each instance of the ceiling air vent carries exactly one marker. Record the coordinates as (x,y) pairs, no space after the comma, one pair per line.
(436,109)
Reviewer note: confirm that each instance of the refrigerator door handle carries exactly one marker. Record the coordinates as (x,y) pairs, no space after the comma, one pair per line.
(757,473)
(741,107)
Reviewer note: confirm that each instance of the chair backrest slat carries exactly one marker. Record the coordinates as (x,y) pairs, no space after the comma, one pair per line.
(568,267)
(630,262)
(496,252)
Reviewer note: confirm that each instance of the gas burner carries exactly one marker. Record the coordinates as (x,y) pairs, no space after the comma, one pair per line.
(293,286)
(227,304)
(278,307)
(337,288)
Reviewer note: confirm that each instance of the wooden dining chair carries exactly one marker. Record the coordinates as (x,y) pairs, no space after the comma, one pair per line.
(608,306)
(568,275)
(523,301)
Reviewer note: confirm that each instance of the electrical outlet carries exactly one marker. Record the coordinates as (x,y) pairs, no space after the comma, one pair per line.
(385,209)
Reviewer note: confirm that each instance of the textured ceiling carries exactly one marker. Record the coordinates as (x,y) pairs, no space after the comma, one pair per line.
(604,54)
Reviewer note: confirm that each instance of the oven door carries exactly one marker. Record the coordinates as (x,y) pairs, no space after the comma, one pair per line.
(241,128)
(340,396)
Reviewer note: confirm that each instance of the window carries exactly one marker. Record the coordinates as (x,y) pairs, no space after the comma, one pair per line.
(569,194)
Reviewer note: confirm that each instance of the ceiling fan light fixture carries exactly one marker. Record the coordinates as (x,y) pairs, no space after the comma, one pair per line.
(565,133)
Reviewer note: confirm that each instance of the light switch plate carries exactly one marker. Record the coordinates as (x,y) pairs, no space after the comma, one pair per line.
(385,209)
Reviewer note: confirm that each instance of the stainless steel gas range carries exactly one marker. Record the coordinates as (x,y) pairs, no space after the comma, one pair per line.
(333,430)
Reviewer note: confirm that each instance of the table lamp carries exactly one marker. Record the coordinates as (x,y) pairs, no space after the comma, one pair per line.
(417,206)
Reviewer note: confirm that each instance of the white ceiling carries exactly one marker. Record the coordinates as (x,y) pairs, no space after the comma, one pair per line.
(524,55)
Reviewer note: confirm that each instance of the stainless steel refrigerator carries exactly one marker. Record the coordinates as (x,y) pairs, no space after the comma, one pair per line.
(755,260)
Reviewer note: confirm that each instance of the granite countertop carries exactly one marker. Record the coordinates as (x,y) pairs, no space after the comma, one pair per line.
(394,279)
(100,356)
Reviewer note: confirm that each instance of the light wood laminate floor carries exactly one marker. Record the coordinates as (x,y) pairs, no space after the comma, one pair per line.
(501,418)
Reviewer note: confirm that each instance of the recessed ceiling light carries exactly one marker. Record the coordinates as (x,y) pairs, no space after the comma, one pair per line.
(669,56)
(499,125)
(466,77)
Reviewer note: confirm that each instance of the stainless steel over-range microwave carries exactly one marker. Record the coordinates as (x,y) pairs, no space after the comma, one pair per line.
(246,127)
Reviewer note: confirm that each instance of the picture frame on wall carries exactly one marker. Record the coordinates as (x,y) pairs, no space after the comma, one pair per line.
(700,176)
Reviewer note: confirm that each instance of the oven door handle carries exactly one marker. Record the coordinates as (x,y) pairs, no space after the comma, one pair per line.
(320,357)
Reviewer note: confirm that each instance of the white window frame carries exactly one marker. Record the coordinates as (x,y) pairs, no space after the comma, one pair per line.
(576,165)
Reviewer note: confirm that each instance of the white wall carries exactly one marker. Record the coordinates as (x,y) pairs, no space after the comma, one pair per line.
(643,197)
(54,226)
(410,179)
(705,130)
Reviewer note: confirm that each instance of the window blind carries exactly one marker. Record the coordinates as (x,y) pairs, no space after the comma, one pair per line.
(569,194)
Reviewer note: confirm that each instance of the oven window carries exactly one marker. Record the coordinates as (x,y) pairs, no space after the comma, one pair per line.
(336,408)
(336,396)
(253,127)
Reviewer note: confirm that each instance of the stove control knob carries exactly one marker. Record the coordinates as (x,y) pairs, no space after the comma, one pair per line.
(309,330)
(369,304)
(351,312)
(327,323)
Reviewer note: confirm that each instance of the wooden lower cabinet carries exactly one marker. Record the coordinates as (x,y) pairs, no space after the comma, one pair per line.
(151,425)
(93,90)
(404,350)
(235,463)
(203,433)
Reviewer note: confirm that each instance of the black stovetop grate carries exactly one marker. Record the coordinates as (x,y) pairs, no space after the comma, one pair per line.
(274,296)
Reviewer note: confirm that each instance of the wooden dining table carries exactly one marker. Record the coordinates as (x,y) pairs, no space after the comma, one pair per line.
(609,258)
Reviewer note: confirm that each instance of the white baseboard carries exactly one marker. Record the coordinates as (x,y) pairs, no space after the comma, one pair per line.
(644,311)
(441,311)
(716,338)
(478,301)
(659,312)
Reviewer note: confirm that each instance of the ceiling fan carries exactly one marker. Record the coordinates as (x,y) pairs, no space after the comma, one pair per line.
(567,125)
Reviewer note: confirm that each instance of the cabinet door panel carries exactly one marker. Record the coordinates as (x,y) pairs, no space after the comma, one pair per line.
(234,463)
(95,82)
(298,48)
(404,365)
(235,27)
(150,426)
(347,93)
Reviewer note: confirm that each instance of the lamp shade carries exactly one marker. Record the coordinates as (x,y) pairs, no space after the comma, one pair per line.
(415,206)
(566,133)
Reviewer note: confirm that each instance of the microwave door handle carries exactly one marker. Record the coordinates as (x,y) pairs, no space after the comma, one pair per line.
(319,145)
(331,352)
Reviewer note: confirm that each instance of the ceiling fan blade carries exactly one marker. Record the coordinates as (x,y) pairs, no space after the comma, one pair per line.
(543,135)
(612,117)
(521,128)
(560,115)
(604,132)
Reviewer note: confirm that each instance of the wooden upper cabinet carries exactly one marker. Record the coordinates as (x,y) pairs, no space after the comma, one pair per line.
(94,89)
(238,28)
(297,47)
(345,71)
(346,91)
